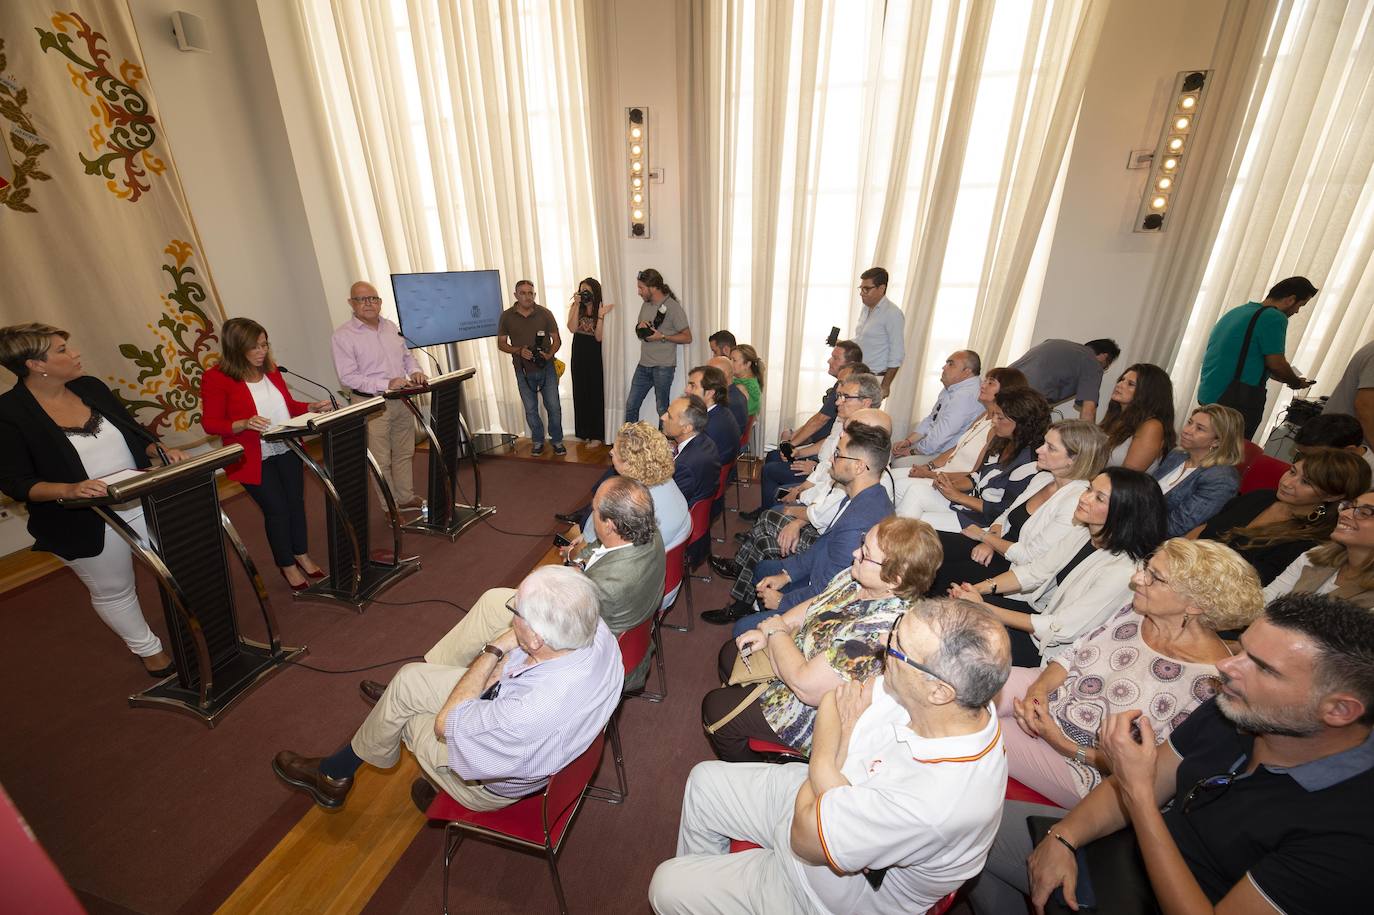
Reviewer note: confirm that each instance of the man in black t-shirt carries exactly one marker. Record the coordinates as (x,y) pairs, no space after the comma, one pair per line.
(1270,785)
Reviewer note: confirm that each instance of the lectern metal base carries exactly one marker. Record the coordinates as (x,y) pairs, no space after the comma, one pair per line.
(377,577)
(254,664)
(464,517)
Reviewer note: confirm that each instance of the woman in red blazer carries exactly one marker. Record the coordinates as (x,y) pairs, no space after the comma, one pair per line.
(241,398)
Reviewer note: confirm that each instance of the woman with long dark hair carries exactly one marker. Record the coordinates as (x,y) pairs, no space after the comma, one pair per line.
(586,315)
(1139,421)
(61,432)
(1020,418)
(241,398)
(1271,528)
(1073,589)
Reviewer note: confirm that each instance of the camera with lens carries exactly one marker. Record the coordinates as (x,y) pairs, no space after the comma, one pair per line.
(539,350)
(584,296)
(644,333)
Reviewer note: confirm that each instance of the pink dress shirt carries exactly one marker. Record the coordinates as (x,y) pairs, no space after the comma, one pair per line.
(368,359)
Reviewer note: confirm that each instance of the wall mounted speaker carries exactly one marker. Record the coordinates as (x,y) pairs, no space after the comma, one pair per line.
(190,32)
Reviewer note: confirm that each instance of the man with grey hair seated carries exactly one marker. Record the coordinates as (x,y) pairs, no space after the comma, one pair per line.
(897,807)
(494,731)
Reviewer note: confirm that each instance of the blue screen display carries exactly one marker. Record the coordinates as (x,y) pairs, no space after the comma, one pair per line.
(439,308)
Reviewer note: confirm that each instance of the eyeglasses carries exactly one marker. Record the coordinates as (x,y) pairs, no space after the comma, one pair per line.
(366,299)
(897,653)
(867,289)
(849,397)
(1206,790)
(1363,512)
(1151,576)
(514,611)
(845,457)
(864,557)
(642,276)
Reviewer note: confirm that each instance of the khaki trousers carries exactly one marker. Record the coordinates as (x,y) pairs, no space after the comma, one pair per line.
(391,439)
(405,713)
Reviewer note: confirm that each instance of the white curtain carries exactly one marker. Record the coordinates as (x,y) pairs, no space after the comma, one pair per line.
(1288,189)
(825,138)
(462,139)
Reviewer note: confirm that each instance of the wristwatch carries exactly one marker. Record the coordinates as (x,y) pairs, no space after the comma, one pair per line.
(495,652)
(1081,755)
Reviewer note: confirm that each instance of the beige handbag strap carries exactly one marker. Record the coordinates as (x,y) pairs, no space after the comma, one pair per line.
(749,698)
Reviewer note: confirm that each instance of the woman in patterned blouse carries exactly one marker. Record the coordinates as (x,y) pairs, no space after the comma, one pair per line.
(1157,655)
(835,637)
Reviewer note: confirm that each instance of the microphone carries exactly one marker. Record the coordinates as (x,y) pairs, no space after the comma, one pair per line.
(155,442)
(415,346)
(286,371)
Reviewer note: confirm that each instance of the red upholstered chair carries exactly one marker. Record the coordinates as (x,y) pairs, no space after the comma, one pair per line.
(725,472)
(699,541)
(634,646)
(674,574)
(1019,792)
(738,845)
(537,823)
(1263,471)
(776,752)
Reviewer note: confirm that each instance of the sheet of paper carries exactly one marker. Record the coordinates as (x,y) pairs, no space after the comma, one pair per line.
(120,475)
(295,422)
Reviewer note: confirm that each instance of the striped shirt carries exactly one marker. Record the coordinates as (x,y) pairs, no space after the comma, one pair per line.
(542,716)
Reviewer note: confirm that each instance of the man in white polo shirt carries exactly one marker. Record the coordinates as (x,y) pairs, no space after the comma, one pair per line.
(898,806)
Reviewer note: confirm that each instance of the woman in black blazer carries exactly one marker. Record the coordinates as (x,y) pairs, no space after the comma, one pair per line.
(60,431)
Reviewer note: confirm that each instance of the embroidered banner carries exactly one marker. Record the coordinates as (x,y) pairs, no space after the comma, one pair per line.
(96,236)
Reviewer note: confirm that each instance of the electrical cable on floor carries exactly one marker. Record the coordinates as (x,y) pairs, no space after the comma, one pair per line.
(356,670)
(486,519)
(421,600)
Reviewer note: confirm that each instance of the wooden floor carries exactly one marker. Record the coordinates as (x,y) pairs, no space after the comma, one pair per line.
(331,862)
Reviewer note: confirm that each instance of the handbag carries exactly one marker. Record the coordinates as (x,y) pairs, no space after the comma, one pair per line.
(760,673)
(1247,399)
(558,367)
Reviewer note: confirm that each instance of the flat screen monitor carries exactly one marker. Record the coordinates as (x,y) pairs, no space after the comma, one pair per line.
(439,308)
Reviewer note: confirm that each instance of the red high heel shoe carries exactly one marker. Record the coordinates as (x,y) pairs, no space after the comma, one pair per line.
(317,574)
(300,587)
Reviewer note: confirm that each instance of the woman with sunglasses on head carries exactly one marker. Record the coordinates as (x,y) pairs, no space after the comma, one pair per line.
(61,431)
(1344,567)
(1074,451)
(1019,420)
(1201,475)
(822,642)
(1072,588)
(1271,528)
(1139,421)
(1157,654)
(241,398)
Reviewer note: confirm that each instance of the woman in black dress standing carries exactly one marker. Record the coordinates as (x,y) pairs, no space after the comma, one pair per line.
(586,314)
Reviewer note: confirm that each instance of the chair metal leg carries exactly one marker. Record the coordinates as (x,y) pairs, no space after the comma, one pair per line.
(613,795)
(644,692)
(557,884)
(452,839)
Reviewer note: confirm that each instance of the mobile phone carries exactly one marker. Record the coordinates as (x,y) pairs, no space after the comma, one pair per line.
(781,493)
(560,540)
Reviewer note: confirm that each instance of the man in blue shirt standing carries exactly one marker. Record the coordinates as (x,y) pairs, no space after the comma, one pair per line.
(1263,358)
(881,329)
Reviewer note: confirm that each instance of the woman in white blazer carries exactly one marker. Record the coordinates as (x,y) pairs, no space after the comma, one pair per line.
(1040,518)
(1073,590)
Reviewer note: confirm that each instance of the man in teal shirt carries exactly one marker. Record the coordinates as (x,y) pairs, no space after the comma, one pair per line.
(1264,358)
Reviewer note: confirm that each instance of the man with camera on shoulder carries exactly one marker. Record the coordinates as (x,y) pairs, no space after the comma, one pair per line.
(529,332)
(661,328)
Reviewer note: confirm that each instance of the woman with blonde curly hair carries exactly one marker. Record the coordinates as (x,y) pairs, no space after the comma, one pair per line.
(1158,655)
(642,453)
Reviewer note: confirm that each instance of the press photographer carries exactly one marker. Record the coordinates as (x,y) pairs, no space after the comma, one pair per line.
(529,332)
(661,328)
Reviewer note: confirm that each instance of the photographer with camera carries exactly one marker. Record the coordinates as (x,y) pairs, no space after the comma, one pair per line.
(529,332)
(662,328)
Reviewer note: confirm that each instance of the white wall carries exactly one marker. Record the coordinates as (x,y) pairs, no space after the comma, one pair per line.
(1099,269)
(225,128)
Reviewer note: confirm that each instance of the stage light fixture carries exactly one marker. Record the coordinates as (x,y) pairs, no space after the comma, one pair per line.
(1175,140)
(637,153)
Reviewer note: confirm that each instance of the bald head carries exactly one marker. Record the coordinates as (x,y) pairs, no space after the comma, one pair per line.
(963,644)
(365,302)
(723,363)
(872,416)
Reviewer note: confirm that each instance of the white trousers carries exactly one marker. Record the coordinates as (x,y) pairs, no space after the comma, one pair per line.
(917,498)
(109,576)
(724,801)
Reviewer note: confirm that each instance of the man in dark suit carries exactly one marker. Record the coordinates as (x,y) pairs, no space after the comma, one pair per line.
(696,468)
(781,584)
(708,383)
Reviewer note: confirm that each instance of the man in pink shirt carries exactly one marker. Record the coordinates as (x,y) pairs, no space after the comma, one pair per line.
(371,358)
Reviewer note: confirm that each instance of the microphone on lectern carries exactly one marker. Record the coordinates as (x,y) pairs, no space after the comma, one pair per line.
(286,371)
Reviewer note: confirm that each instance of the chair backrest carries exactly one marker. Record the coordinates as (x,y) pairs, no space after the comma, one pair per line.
(1251,451)
(724,477)
(634,643)
(700,513)
(673,571)
(564,790)
(1264,473)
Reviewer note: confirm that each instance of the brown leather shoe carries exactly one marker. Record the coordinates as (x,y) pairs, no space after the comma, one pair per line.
(422,794)
(371,690)
(303,772)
